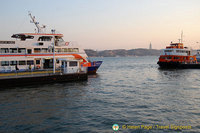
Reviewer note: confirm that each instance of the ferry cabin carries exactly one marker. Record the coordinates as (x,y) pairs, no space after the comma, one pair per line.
(177,53)
(30,51)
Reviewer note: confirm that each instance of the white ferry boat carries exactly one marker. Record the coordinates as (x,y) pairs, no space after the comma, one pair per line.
(40,53)
(37,50)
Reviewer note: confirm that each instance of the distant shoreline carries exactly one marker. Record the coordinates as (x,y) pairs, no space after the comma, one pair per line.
(122,52)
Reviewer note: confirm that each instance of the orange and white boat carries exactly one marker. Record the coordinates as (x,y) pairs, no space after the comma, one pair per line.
(177,56)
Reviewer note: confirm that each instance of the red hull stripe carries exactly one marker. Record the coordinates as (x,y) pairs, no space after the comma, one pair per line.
(25,55)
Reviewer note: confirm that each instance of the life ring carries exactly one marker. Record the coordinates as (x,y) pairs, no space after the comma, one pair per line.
(38,67)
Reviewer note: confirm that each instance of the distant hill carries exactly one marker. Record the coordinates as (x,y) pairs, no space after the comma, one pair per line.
(122,52)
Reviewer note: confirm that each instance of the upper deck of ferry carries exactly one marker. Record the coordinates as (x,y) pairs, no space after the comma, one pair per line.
(176,49)
(176,45)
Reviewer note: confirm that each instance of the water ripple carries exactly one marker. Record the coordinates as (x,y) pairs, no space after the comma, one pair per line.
(126,91)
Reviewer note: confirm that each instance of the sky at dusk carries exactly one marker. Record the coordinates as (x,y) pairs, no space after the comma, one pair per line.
(107,24)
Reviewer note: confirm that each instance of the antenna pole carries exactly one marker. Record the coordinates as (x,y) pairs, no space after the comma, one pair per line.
(39,28)
(54,67)
(54,41)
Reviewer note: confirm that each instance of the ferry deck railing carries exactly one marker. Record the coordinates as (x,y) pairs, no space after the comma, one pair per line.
(38,72)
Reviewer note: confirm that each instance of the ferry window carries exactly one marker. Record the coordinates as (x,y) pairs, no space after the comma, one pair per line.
(70,50)
(29,51)
(60,40)
(22,37)
(65,50)
(44,50)
(37,62)
(40,43)
(13,50)
(181,51)
(73,63)
(176,57)
(37,50)
(4,63)
(13,63)
(57,61)
(168,50)
(63,63)
(169,57)
(45,38)
(7,42)
(75,49)
(162,57)
(21,50)
(30,62)
(4,50)
(22,62)
(57,50)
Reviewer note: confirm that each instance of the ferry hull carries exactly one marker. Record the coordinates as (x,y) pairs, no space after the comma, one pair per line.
(22,81)
(177,65)
(94,67)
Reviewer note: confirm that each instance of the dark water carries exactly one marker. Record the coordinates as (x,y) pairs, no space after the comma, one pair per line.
(126,91)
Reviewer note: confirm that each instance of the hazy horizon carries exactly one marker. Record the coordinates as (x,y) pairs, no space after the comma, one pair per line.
(108,24)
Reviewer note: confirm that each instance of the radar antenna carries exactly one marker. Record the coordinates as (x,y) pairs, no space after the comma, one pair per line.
(39,28)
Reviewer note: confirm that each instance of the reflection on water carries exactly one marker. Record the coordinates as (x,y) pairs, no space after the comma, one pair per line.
(126,90)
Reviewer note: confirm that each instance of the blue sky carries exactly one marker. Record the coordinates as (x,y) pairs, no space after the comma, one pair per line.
(107,24)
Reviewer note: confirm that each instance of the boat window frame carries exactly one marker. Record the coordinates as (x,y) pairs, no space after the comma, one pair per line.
(45,38)
(75,49)
(169,57)
(19,50)
(6,64)
(73,63)
(39,49)
(176,58)
(22,64)
(22,37)
(28,62)
(13,64)
(58,50)
(168,51)
(65,49)
(4,50)
(11,50)
(44,50)
(36,62)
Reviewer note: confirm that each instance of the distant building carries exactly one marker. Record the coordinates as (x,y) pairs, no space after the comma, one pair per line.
(150,46)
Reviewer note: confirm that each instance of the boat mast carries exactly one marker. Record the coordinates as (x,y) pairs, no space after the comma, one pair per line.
(54,41)
(39,28)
